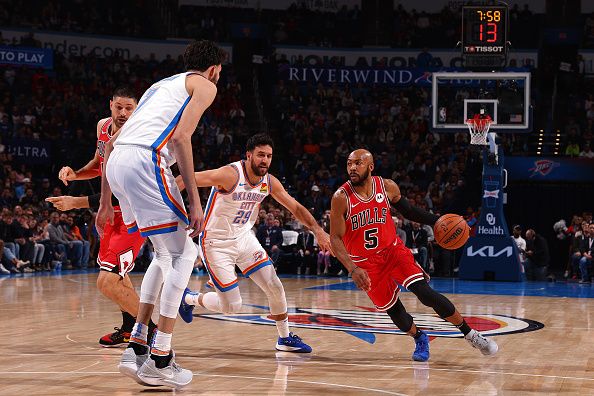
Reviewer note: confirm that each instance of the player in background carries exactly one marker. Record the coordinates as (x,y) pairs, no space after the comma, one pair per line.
(138,170)
(364,239)
(118,248)
(232,208)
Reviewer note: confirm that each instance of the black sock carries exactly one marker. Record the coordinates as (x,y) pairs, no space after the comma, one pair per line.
(418,333)
(463,327)
(151,332)
(161,361)
(127,322)
(138,349)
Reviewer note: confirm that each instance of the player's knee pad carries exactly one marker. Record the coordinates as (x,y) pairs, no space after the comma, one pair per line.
(430,298)
(400,317)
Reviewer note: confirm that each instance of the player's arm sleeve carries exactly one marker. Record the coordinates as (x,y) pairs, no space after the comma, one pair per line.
(410,212)
(94,201)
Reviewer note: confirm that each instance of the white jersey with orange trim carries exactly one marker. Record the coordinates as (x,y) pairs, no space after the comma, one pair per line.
(231,214)
(154,121)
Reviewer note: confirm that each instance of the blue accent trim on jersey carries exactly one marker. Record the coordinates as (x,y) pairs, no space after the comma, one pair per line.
(166,199)
(171,125)
(133,229)
(159,231)
(256,268)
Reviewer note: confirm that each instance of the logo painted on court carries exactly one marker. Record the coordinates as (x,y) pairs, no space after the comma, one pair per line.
(366,322)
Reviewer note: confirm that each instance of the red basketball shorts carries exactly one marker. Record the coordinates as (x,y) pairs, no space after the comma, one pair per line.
(387,269)
(118,249)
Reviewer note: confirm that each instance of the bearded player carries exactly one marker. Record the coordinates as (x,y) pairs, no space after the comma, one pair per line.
(364,239)
(227,240)
(119,247)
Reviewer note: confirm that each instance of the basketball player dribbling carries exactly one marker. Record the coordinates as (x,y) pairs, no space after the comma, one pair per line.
(228,240)
(364,239)
(157,135)
(118,248)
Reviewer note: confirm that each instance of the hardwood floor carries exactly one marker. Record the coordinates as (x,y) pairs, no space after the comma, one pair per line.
(51,325)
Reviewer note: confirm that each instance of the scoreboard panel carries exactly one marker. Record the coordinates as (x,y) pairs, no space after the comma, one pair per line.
(484,36)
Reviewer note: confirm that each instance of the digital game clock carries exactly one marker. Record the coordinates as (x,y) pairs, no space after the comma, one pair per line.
(484,35)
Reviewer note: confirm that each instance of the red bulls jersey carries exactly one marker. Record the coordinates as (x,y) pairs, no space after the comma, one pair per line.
(104,137)
(369,225)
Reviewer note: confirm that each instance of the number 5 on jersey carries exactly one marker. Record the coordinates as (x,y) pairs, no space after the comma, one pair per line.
(371,238)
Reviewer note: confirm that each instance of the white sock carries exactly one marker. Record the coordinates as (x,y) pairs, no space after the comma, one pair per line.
(192,298)
(161,344)
(139,333)
(283,327)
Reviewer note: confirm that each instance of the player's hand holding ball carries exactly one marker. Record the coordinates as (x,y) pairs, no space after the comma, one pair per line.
(451,231)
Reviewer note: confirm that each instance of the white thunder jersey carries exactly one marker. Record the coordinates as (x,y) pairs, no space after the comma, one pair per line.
(232,214)
(154,121)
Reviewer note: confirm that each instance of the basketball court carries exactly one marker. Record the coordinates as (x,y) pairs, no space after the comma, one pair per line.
(544,332)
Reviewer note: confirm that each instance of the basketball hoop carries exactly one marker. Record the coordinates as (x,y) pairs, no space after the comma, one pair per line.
(478,127)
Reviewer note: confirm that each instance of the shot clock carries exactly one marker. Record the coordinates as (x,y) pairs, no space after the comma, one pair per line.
(484,36)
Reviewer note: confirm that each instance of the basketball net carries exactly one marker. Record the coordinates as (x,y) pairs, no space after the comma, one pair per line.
(479,128)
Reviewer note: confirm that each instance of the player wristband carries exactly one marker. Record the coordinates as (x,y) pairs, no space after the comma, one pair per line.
(353,270)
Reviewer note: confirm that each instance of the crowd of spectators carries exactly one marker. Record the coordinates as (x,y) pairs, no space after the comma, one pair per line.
(297,25)
(109,17)
(579,236)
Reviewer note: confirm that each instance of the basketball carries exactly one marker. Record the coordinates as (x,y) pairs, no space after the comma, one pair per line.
(451,231)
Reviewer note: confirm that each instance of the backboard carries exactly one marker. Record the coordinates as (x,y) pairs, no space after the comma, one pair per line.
(458,96)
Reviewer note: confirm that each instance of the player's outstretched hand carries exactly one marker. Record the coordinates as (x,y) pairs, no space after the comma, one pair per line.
(361,279)
(66,174)
(324,242)
(196,220)
(104,216)
(62,203)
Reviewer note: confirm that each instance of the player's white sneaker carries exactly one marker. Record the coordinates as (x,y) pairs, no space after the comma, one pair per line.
(130,363)
(172,376)
(487,346)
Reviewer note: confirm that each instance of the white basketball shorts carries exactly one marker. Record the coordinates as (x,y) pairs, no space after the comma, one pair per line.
(144,185)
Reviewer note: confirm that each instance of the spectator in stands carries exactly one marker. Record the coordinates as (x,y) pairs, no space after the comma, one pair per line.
(315,202)
(324,258)
(72,230)
(537,256)
(306,250)
(587,152)
(520,242)
(270,236)
(417,242)
(9,263)
(586,247)
(66,248)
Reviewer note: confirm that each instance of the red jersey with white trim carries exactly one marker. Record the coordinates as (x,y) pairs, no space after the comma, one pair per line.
(104,137)
(369,225)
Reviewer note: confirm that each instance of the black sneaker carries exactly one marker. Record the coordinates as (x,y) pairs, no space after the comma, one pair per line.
(115,339)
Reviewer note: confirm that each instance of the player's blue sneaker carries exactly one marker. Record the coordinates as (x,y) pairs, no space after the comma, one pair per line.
(292,343)
(185,309)
(421,353)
